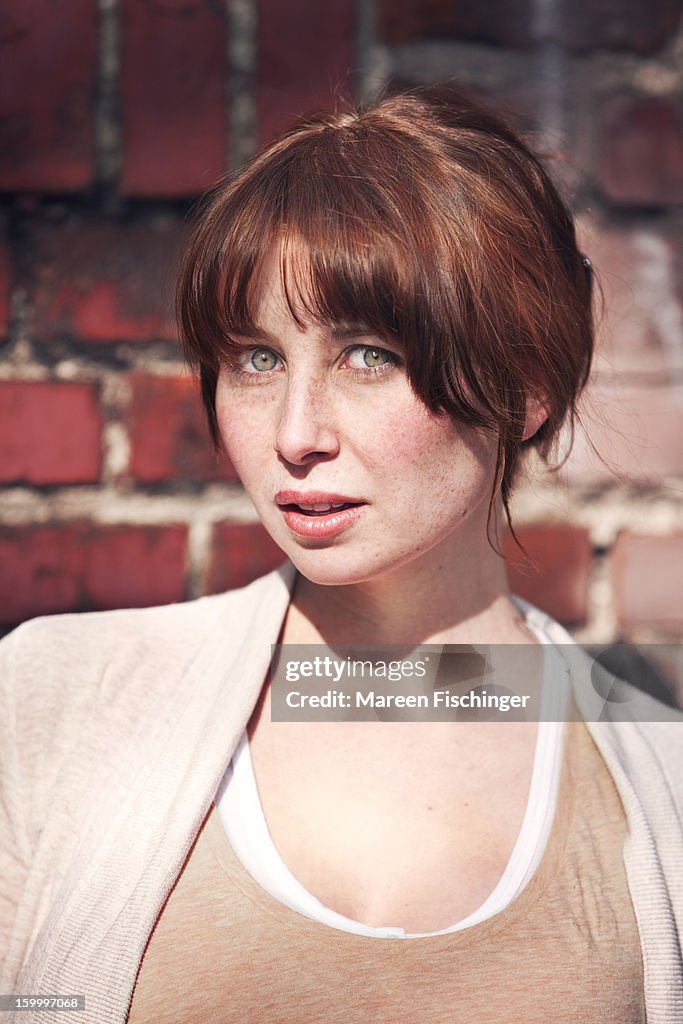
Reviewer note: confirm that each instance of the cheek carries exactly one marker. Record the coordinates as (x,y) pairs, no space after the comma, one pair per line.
(429,450)
(401,432)
(243,427)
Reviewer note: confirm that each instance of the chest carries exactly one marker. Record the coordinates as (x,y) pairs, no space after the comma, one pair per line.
(394,824)
(224,950)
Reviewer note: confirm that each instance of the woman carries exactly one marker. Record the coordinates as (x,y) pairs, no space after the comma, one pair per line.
(387,308)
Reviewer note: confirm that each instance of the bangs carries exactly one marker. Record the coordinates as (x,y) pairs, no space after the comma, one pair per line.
(327,277)
(357,246)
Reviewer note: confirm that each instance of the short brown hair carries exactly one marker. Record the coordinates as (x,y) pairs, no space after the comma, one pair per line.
(426,219)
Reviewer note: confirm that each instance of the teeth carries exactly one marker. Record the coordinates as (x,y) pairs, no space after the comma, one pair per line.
(318,508)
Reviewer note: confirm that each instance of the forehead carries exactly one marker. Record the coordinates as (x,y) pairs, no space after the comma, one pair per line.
(283,293)
(268,293)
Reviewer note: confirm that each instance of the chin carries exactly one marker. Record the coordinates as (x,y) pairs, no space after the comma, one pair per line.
(332,567)
(328,575)
(342,566)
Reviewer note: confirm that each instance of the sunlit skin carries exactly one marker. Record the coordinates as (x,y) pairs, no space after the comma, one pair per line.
(312,409)
(315,409)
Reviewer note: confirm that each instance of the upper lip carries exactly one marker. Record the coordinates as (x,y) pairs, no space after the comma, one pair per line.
(315,498)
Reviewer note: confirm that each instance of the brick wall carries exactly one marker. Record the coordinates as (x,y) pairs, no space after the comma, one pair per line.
(115,116)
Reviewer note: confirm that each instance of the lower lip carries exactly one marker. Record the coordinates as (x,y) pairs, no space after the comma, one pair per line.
(329,525)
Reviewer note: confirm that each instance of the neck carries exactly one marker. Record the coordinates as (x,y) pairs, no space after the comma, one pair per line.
(457,593)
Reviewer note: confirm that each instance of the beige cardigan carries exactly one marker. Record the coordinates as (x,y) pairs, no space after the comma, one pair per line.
(115,730)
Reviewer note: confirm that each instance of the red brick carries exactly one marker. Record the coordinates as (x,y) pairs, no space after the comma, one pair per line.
(556,578)
(47,83)
(639,271)
(106,282)
(240,553)
(637,430)
(405,21)
(168,432)
(305,58)
(82,567)
(50,433)
(617,25)
(648,581)
(173,96)
(631,412)
(640,157)
(579,26)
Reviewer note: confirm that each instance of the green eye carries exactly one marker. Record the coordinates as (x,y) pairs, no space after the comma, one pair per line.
(371,357)
(263,359)
(375,356)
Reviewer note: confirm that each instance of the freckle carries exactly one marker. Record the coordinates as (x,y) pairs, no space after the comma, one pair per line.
(430,808)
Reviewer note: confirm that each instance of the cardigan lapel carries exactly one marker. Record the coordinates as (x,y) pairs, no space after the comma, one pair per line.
(653,850)
(113,906)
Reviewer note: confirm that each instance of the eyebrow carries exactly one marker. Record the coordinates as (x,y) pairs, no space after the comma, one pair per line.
(342,331)
(345,330)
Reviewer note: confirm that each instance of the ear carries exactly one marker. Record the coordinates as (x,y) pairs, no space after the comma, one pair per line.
(536,415)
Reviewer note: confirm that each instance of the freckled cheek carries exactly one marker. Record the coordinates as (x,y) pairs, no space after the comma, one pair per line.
(238,430)
(397,435)
(245,428)
(430,457)
(406,437)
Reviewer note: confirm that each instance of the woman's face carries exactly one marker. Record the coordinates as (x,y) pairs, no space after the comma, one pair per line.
(350,473)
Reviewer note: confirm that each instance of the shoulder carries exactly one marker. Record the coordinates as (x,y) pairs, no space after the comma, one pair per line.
(58,671)
(81,647)
(77,692)
(639,736)
(61,654)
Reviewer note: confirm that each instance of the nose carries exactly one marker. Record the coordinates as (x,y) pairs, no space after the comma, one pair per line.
(306,431)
